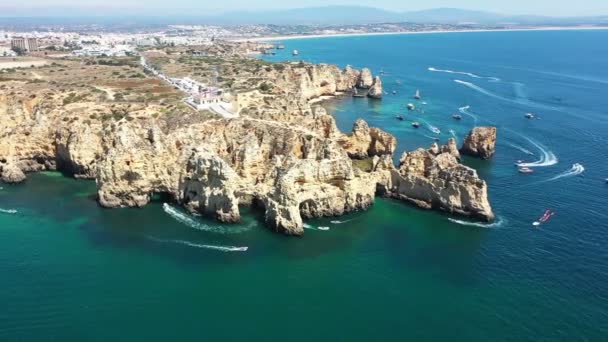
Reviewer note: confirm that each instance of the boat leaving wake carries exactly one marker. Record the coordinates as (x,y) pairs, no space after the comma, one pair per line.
(575,170)
(186,219)
(547,158)
(198,245)
(432,128)
(493,79)
(496,224)
(8,211)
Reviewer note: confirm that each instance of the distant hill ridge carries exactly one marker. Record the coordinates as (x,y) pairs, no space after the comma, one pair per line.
(323,16)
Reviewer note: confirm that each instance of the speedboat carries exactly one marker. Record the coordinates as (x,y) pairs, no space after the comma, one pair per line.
(394,92)
(415,124)
(400,117)
(543,219)
(323,228)
(410,106)
(435,130)
(457,116)
(529,116)
(417,95)
(525,170)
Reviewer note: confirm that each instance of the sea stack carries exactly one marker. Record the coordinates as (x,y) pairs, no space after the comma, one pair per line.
(366,79)
(434,179)
(375,92)
(480,142)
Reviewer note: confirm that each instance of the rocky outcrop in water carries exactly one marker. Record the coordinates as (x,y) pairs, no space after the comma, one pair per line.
(376,90)
(480,142)
(10,173)
(365,80)
(434,179)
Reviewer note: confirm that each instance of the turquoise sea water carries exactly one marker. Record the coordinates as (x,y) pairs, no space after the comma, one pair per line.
(71,271)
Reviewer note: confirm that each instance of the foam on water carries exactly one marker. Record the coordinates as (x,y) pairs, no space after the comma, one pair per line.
(499,222)
(575,170)
(494,79)
(547,158)
(308,226)
(193,223)
(198,245)
(8,211)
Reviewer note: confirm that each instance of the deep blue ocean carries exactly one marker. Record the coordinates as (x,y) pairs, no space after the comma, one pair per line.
(71,271)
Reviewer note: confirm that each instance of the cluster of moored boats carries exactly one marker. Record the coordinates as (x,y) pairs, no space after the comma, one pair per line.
(412,107)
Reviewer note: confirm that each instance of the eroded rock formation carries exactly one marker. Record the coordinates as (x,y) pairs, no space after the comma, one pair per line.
(376,90)
(434,179)
(480,142)
(365,79)
(282,154)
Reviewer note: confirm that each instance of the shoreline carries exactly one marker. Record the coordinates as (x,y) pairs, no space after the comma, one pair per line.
(364,34)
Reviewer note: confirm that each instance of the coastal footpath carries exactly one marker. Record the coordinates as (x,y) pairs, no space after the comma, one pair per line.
(283,154)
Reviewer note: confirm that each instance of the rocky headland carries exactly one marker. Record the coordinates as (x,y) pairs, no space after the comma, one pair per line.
(281,154)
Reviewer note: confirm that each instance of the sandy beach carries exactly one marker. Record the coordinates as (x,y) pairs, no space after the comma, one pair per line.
(279,38)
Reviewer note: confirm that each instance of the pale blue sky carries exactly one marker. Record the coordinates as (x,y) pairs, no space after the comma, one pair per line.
(542,7)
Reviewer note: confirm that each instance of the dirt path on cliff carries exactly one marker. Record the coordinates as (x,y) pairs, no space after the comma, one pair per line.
(108,92)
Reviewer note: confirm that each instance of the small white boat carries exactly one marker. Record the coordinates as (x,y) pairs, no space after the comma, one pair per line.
(411,106)
(323,228)
(435,130)
(525,170)
(295,52)
(529,116)
(417,95)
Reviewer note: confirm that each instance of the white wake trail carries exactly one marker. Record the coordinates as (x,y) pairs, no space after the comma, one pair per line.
(496,224)
(470,74)
(575,170)
(547,158)
(341,222)
(431,128)
(465,110)
(193,223)
(308,226)
(8,211)
(522,149)
(519,101)
(198,245)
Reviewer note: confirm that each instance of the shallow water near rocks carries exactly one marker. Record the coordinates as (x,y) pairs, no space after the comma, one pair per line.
(72,271)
